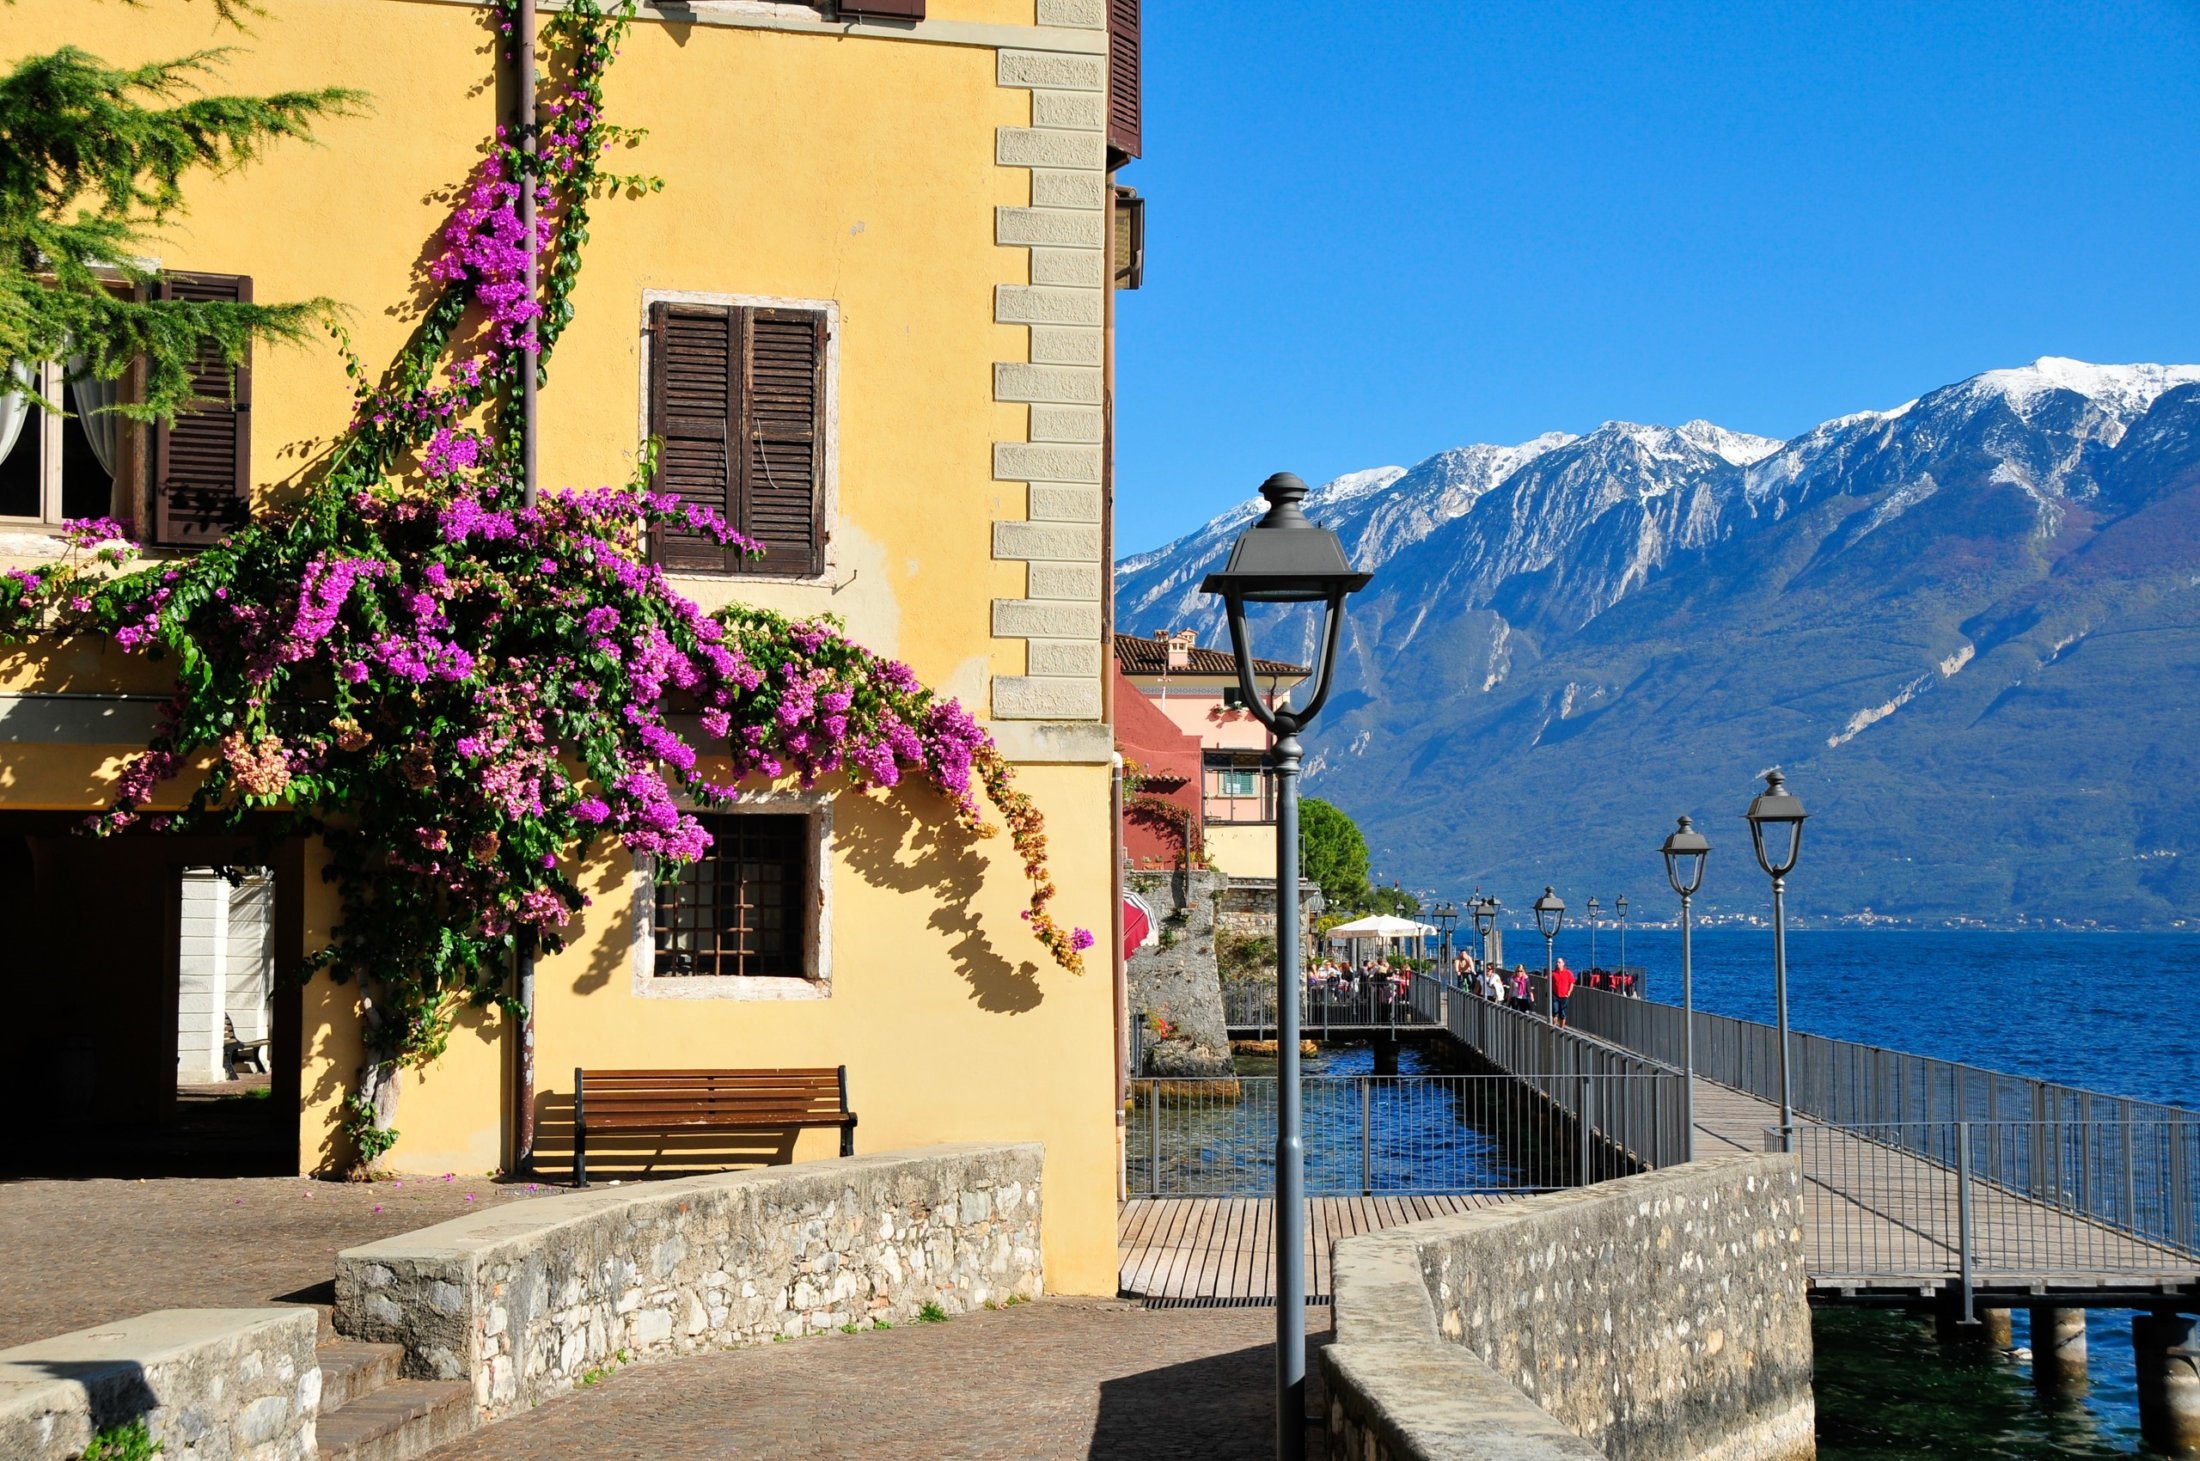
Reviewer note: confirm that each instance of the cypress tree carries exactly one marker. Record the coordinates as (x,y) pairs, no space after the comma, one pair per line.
(93,159)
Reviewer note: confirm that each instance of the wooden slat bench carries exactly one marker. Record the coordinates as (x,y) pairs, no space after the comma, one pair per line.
(669,1102)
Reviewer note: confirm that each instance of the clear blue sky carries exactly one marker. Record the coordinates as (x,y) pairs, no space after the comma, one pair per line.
(1379,231)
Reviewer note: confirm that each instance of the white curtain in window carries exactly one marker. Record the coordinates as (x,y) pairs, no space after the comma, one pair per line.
(15,406)
(94,398)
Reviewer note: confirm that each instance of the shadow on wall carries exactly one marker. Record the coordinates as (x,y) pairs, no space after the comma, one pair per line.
(906,842)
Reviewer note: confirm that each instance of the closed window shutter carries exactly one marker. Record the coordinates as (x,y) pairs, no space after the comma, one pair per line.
(695,411)
(1123,81)
(883,9)
(783,468)
(202,461)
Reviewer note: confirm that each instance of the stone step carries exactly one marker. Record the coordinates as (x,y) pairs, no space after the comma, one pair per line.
(351,1369)
(398,1422)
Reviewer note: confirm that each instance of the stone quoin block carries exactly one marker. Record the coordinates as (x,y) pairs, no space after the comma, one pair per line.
(1073,268)
(1061,227)
(1052,70)
(1075,14)
(1056,502)
(1066,423)
(1056,188)
(1063,656)
(1079,581)
(1021,304)
(1037,697)
(1076,111)
(1049,147)
(1045,619)
(1066,345)
(1067,385)
(1045,462)
(1056,542)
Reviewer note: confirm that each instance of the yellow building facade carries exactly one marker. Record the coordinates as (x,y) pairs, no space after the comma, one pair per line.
(938,196)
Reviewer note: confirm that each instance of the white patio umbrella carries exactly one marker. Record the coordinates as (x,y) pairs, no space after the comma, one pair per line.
(1382,926)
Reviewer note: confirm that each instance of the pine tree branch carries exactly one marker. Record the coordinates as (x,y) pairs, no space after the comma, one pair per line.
(92,158)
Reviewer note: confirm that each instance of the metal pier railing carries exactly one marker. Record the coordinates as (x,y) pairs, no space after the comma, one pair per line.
(2127,1167)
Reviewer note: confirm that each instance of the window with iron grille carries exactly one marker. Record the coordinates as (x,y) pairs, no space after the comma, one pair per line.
(740,908)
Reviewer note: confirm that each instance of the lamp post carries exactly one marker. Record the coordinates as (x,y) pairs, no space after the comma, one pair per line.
(1592,909)
(1444,915)
(1686,850)
(1619,911)
(1776,832)
(1485,919)
(1284,558)
(1550,917)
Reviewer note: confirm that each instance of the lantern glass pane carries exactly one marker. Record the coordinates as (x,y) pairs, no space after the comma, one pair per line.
(1777,844)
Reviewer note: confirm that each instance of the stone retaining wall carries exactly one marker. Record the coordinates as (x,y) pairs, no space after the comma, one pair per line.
(1660,1317)
(522,1301)
(210,1384)
(1176,977)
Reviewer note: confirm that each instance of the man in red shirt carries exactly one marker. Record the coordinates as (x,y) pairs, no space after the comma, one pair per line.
(1562,989)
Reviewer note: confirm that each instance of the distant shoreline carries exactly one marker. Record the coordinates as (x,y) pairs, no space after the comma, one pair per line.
(1795,926)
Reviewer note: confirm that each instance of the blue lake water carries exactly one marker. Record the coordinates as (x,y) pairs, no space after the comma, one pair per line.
(2113,1012)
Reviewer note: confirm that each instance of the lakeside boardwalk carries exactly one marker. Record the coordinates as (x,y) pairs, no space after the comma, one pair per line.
(1879,1221)
(1224,1247)
(1883,1220)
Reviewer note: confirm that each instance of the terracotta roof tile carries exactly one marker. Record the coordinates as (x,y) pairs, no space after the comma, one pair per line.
(1138,655)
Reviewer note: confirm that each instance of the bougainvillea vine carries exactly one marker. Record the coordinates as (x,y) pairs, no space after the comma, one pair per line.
(464,695)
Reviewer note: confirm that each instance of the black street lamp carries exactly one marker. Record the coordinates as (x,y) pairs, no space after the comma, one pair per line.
(1550,917)
(1592,909)
(1444,915)
(1286,559)
(1485,912)
(1686,850)
(1619,911)
(1776,832)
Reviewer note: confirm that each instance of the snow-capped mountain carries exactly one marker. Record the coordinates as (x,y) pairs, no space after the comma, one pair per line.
(1377,512)
(1602,624)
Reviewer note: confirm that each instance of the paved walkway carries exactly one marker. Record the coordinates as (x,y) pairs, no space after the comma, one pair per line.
(78,1253)
(1057,1378)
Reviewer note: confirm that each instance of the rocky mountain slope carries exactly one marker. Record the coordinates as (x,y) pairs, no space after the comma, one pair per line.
(1969,627)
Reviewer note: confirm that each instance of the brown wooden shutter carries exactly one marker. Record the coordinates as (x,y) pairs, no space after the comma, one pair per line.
(694,408)
(783,468)
(202,461)
(883,9)
(1123,77)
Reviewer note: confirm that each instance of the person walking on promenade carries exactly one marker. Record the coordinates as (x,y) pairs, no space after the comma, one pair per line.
(1562,990)
(1520,988)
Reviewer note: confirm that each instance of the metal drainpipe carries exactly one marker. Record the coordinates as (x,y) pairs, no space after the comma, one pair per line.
(523,1053)
(1116,849)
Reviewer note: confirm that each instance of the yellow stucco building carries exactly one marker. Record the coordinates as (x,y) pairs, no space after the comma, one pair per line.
(929,207)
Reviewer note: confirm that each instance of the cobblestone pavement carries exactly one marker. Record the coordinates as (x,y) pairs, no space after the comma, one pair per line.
(78,1253)
(1057,1378)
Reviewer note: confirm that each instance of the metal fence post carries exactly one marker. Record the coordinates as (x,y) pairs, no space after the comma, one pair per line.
(2181,1134)
(1367,1137)
(1963,1214)
(1153,1138)
(1582,1127)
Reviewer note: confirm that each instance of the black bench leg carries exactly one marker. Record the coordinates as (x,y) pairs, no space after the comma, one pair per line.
(848,1127)
(580,1132)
